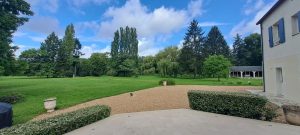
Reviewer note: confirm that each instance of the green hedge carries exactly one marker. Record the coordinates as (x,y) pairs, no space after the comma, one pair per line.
(230,103)
(169,82)
(60,124)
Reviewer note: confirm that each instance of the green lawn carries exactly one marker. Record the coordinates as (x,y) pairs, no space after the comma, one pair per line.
(71,91)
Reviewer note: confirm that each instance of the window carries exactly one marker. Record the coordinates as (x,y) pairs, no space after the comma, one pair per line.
(296,24)
(277,33)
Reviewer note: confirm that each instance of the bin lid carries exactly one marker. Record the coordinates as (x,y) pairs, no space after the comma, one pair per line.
(4,107)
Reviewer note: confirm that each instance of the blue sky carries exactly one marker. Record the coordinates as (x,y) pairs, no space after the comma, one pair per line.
(160,23)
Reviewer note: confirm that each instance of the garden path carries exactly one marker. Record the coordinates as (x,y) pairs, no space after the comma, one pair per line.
(157,98)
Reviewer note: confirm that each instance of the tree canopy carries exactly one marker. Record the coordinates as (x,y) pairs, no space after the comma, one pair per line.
(13,13)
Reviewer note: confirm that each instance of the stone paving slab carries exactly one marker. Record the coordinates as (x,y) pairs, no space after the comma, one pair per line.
(183,122)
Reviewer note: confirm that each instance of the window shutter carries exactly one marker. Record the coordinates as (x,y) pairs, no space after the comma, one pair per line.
(299,21)
(281,31)
(271,41)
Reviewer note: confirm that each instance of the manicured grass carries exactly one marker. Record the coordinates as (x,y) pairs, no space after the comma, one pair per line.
(69,91)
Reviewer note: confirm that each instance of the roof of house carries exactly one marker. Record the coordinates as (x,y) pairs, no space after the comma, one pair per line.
(278,3)
(245,68)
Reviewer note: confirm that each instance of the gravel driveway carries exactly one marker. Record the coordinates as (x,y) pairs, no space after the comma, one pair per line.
(157,98)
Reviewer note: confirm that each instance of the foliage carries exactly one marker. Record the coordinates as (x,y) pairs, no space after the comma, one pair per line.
(247,51)
(85,67)
(61,124)
(167,61)
(148,65)
(216,66)
(99,63)
(48,53)
(169,82)
(12,98)
(65,53)
(229,103)
(13,14)
(124,52)
(215,44)
(191,56)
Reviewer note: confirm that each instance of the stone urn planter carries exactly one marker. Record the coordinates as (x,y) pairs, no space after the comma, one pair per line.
(292,114)
(164,83)
(50,104)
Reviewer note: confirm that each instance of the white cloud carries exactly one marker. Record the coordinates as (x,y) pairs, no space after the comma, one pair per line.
(38,38)
(161,20)
(89,50)
(247,26)
(209,24)
(19,34)
(79,3)
(51,5)
(48,5)
(195,8)
(153,26)
(253,6)
(43,24)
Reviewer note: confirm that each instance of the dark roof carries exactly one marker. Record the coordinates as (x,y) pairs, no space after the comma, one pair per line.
(278,3)
(245,68)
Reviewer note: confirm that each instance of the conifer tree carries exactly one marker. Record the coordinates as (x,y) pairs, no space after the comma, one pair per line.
(215,44)
(191,56)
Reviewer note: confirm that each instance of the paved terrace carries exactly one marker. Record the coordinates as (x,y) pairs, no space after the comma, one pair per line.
(183,122)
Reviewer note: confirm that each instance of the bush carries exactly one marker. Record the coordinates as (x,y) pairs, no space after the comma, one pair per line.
(60,124)
(229,103)
(12,98)
(169,82)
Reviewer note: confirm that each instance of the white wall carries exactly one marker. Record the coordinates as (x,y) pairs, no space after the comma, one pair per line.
(286,55)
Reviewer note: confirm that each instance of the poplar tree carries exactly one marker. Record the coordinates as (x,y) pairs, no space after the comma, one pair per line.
(124,52)
(65,53)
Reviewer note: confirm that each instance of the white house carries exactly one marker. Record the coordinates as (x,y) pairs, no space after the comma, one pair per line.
(281,49)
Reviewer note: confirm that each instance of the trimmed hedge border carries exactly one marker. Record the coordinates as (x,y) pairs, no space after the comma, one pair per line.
(60,124)
(169,82)
(231,103)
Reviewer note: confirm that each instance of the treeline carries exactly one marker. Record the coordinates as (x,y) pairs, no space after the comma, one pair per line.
(55,57)
(200,55)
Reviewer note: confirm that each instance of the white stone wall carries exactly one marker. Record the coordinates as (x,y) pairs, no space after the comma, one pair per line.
(286,55)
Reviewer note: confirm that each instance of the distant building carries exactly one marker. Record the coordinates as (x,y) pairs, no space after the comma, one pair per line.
(246,71)
(280,28)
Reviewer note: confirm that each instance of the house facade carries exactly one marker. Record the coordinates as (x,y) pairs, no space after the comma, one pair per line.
(280,28)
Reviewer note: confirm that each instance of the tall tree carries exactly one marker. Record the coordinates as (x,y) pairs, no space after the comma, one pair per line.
(65,53)
(12,15)
(238,51)
(191,56)
(253,50)
(247,52)
(49,52)
(124,52)
(215,44)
